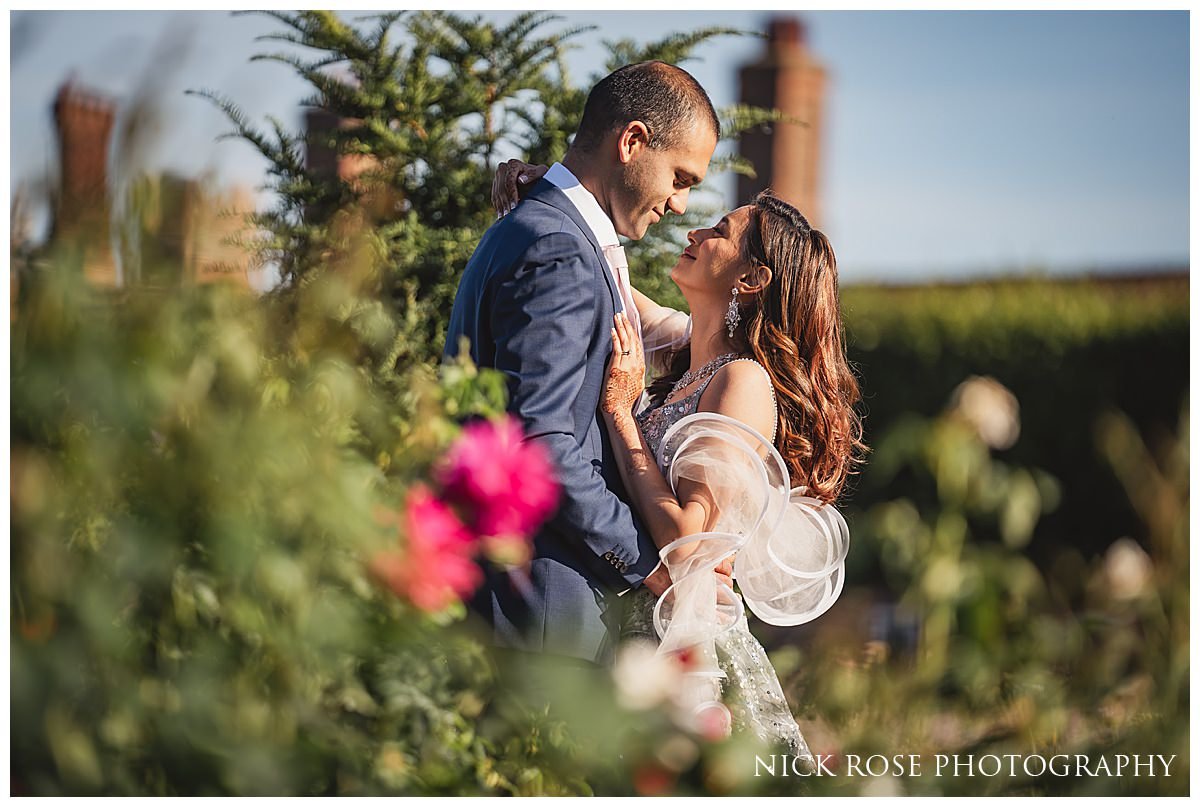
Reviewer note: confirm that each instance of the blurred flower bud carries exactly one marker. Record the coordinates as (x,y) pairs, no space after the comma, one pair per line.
(391,766)
(643,678)
(713,721)
(990,408)
(507,550)
(686,657)
(678,752)
(1127,569)
(885,786)
(652,780)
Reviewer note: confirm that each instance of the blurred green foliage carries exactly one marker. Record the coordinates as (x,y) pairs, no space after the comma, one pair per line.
(1091,657)
(1068,350)
(192,511)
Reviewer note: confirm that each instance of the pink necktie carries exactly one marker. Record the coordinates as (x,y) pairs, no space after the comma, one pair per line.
(615,255)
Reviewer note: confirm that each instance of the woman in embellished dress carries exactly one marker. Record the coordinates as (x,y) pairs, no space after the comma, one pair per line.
(764,347)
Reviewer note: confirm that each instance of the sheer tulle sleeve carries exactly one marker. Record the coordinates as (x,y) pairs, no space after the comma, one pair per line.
(664,330)
(790,548)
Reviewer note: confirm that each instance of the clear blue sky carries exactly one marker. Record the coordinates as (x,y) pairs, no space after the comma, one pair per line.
(956,143)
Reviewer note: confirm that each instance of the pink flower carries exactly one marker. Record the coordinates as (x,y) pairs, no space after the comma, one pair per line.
(437,567)
(504,488)
(686,657)
(505,484)
(431,524)
(714,722)
(652,780)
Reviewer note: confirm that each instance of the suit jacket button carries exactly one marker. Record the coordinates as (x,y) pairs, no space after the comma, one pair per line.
(608,555)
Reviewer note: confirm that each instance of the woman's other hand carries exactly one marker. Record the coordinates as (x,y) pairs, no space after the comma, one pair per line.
(627,371)
(513,180)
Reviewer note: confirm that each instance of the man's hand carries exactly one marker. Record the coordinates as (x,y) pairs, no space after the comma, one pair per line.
(658,580)
(725,572)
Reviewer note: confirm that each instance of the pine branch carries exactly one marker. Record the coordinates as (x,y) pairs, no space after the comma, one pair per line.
(383,25)
(732,162)
(740,118)
(673,49)
(282,162)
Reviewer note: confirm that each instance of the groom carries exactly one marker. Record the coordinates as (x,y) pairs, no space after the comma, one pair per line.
(537,301)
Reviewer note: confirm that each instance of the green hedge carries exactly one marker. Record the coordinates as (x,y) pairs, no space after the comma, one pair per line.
(1069,350)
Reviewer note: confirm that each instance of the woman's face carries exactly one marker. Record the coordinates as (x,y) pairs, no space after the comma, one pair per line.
(713,260)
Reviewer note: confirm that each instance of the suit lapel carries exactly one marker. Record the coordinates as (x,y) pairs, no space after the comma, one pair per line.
(547,193)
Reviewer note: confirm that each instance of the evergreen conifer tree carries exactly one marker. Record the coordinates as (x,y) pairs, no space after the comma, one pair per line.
(425,105)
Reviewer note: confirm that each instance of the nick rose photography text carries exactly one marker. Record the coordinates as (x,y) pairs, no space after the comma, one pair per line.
(1116,765)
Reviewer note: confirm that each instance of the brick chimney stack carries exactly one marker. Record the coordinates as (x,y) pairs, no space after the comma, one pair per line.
(786,156)
(85,122)
(81,217)
(353,169)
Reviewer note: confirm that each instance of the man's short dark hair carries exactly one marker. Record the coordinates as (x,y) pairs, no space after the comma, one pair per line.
(664,97)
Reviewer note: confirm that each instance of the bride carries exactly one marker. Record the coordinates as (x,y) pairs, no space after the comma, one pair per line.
(738,449)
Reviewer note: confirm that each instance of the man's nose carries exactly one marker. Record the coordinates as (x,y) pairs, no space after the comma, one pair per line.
(677,204)
(692,238)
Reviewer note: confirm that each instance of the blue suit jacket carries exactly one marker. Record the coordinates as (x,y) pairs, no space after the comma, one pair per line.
(536,302)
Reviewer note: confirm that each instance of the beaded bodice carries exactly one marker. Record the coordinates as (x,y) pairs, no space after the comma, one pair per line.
(654,422)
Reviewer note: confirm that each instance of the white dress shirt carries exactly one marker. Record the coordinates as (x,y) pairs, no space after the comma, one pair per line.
(606,235)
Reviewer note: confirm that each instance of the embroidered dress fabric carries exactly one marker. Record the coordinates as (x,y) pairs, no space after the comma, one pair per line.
(789,565)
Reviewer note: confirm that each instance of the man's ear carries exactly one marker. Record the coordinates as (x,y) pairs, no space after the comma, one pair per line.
(633,140)
(754,281)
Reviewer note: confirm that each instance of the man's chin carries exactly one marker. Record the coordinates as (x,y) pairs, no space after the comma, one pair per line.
(646,223)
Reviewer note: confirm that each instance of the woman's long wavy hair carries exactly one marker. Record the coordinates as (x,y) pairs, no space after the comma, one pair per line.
(793,328)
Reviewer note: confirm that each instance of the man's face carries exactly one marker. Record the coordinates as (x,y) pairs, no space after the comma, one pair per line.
(657,180)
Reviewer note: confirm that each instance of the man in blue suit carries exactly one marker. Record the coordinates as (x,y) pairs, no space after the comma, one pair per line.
(536,301)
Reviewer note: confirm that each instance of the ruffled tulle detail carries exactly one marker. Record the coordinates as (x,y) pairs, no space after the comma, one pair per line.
(790,551)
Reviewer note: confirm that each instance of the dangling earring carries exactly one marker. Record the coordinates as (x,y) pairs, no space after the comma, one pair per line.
(732,315)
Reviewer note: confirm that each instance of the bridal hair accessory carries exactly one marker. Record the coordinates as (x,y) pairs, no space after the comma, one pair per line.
(790,547)
(732,315)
